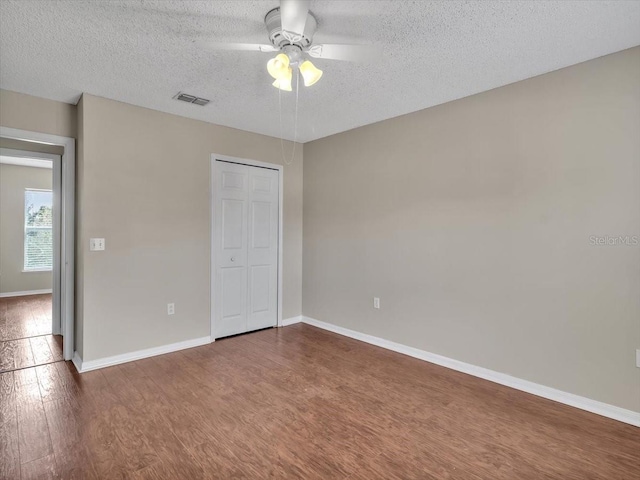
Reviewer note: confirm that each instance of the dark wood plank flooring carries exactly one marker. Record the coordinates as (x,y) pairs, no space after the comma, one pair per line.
(295,402)
(30,352)
(23,317)
(25,333)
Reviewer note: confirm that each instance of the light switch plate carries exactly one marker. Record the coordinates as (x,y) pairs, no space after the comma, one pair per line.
(96,244)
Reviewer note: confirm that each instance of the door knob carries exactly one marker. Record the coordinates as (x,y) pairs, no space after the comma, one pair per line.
(233,259)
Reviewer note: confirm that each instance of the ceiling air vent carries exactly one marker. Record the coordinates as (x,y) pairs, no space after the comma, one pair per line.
(185,97)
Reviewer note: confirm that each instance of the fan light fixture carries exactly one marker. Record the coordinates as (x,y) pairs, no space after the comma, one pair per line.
(284,83)
(279,68)
(310,73)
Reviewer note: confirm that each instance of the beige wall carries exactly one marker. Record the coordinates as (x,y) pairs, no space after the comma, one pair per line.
(26,112)
(14,180)
(472,222)
(144,187)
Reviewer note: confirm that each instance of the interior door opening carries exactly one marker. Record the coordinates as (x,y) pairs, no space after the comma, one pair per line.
(246,246)
(61,227)
(30,241)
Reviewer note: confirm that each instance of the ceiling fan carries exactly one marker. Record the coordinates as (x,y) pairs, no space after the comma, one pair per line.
(291,28)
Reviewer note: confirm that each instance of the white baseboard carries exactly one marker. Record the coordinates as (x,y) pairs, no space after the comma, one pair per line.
(25,293)
(137,355)
(290,321)
(77,361)
(583,403)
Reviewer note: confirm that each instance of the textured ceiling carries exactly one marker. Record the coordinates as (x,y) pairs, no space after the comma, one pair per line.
(144,52)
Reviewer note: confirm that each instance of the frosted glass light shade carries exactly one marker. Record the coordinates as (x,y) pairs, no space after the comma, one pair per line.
(310,73)
(284,83)
(278,67)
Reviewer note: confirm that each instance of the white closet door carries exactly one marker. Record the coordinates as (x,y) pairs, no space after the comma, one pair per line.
(230,203)
(263,248)
(245,248)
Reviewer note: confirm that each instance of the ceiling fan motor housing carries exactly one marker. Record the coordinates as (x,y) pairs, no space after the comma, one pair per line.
(274,27)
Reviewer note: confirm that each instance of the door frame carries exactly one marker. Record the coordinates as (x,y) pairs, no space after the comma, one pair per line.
(56,185)
(213,177)
(67,231)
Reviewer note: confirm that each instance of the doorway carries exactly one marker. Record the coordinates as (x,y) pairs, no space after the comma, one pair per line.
(37,248)
(29,242)
(246,260)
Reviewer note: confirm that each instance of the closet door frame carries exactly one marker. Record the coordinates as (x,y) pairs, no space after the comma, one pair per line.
(212,266)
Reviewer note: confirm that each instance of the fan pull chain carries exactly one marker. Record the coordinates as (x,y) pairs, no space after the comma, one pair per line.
(295,123)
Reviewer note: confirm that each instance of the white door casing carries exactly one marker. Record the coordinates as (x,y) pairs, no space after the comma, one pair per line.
(245,247)
(66,215)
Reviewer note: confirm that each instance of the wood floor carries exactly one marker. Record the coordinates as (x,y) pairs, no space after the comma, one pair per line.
(295,402)
(29,352)
(23,317)
(25,333)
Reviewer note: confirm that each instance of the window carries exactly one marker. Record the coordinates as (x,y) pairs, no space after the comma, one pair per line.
(38,230)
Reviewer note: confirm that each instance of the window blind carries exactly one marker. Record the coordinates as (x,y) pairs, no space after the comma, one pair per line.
(38,230)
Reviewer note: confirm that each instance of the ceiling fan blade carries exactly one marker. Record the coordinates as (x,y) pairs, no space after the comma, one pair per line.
(351,53)
(293,15)
(244,47)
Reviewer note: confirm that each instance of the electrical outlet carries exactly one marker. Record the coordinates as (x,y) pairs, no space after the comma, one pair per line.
(376,302)
(638,358)
(171,308)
